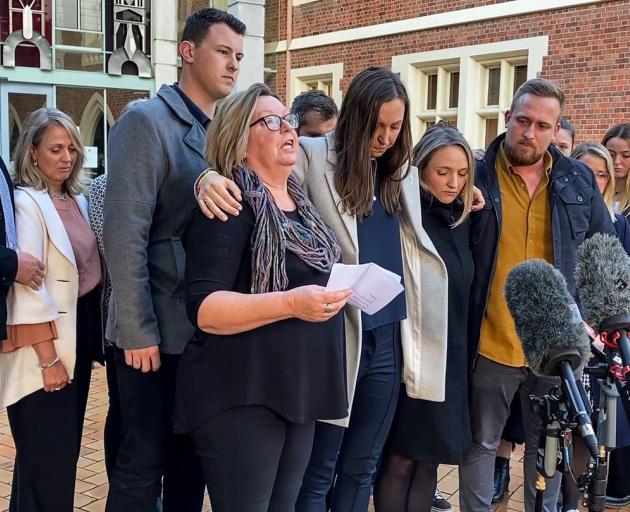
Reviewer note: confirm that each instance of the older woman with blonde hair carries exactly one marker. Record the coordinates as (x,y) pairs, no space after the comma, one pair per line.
(598,159)
(267,358)
(46,361)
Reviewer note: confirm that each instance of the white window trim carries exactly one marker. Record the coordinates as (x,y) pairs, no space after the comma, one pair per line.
(300,75)
(428,22)
(471,68)
(442,111)
(302,2)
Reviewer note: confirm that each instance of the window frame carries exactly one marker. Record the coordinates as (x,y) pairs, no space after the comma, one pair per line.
(327,73)
(470,60)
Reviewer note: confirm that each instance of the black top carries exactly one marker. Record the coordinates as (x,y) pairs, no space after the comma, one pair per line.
(8,259)
(419,431)
(379,242)
(196,112)
(293,367)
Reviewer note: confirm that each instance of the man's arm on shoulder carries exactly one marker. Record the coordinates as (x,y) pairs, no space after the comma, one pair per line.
(136,170)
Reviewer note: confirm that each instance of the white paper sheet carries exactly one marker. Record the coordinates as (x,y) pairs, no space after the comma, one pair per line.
(373,287)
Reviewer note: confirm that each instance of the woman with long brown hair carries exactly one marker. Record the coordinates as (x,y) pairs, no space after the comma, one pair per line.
(360,180)
(617,142)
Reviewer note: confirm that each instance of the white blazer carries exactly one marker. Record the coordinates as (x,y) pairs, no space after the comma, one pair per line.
(424,331)
(41,232)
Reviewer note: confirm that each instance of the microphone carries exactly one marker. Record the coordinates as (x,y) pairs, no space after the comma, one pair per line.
(602,276)
(550,328)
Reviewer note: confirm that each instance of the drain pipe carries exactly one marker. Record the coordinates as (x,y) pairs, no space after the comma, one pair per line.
(287,54)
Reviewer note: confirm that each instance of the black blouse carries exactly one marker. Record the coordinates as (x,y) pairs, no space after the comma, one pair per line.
(293,367)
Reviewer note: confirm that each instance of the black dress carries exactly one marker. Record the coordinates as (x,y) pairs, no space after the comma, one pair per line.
(293,367)
(439,432)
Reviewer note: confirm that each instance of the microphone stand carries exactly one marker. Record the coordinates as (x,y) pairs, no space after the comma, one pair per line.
(616,355)
(559,413)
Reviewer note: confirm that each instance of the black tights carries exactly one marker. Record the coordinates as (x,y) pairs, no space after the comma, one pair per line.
(405,485)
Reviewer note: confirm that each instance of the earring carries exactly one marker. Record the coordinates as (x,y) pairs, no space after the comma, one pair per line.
(34,162)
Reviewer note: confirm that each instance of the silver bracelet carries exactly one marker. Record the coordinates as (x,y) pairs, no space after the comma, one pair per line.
(43,366)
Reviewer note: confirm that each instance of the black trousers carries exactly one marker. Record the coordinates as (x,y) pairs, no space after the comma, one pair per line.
(253,459)
(113,422)
(353,453)
(47,428)
(618,473)
(148,450)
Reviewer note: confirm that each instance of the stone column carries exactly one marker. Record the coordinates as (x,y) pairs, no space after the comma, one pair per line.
(164,50)
(252,13)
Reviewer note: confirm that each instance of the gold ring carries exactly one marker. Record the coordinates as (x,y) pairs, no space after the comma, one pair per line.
(329,308)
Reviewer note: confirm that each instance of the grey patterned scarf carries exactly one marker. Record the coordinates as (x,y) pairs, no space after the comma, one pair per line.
(311,239)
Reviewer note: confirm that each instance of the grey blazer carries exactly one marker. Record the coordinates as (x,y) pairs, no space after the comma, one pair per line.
(156,152)
(426,286)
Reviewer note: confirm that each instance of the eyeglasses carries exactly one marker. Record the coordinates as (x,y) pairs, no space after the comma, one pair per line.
(602,175)
(274,122)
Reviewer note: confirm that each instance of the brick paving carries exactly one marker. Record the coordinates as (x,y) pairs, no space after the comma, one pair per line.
(91,486)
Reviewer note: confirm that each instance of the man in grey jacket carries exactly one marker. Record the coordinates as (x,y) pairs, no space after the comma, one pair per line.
(156,152)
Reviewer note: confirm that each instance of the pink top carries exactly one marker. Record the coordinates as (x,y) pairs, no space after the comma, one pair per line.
(83,243)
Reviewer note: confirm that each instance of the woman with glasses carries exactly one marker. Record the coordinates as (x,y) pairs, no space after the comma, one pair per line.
(360,179)
(267,358)
(597,158)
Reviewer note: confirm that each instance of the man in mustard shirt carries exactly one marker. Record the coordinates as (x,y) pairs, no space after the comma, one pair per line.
(539,204)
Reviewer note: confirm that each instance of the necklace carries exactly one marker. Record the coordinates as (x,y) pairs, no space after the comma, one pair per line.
(63,196)
(275,187)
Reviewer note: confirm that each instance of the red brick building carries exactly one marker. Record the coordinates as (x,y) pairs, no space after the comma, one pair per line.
(460,59)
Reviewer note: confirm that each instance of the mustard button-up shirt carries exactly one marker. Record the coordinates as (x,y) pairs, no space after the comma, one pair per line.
(525,234)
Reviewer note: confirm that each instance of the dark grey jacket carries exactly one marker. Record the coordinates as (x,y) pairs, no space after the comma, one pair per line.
(577,212)
(156,151)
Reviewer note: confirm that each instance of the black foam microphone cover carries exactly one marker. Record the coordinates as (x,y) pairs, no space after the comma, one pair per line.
(547,320)
(602,277)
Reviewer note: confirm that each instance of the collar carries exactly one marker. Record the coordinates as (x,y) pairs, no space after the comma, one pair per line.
(195,111)
(504,162)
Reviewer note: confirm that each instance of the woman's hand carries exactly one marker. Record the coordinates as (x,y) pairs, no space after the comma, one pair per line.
(56,377)
(217,196)
(314,304)
(478,200)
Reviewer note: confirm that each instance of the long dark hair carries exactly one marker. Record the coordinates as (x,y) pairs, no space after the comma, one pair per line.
(357,122)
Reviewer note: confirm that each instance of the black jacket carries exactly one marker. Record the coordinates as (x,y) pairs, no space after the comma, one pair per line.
(577,212)
(8,260)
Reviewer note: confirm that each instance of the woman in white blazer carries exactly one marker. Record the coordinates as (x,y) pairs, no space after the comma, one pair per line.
(46,360)
(360,180)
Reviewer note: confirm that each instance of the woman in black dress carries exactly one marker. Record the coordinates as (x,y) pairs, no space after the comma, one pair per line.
(424,433)
(267,358)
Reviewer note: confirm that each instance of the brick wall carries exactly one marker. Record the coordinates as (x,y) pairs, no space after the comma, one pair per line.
(185,8)
(589,56)
(330,15)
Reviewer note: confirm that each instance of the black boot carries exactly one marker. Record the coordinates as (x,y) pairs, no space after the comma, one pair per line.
(501,478)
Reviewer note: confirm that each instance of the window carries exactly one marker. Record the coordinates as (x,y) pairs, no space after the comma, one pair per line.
(432,91)
(440,88)
(323,84)
(520,76)
(494,81)
(325,78)
(501,79)
(79,14)
(489,74)
(453,98)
